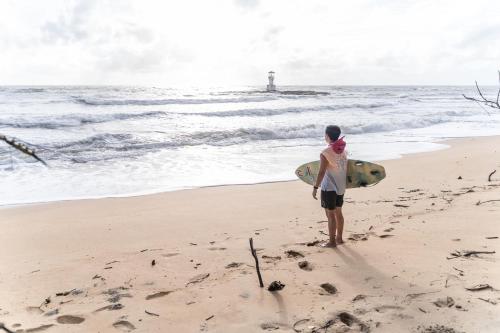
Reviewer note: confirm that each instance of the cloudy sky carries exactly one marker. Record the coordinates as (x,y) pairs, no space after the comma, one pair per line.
(235,42)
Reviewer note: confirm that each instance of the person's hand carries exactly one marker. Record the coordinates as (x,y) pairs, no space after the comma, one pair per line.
(315,190)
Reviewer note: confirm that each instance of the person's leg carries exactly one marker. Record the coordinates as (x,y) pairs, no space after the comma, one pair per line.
(327,215)
(328,203)
(340,224)
(332,223)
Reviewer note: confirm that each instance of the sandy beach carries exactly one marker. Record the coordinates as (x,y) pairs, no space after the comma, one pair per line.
(180,261)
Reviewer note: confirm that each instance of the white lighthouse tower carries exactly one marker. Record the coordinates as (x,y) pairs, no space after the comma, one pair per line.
(271,86)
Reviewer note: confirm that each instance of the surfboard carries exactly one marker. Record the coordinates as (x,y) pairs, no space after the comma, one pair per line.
(359,173)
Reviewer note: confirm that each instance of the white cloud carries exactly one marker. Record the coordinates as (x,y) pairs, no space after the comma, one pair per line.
(200,42)
(247,3)
(69,25)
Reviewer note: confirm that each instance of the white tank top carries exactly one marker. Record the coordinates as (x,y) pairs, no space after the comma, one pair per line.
(335,178)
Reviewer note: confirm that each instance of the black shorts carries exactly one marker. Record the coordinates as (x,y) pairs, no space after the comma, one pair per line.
(330,199)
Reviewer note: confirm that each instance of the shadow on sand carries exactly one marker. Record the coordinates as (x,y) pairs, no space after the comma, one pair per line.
(359,271)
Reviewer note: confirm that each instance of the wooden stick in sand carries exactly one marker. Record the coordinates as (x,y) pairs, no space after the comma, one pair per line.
(491,174)
(254,254)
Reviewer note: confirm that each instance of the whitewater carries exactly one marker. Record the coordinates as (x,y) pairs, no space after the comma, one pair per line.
(104,141)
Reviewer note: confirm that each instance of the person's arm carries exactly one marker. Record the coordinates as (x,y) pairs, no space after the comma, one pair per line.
(322,169)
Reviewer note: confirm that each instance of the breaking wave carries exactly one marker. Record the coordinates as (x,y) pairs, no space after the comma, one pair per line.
(272,112)
(169,101)
(130,144)
(76,120)
(28,90)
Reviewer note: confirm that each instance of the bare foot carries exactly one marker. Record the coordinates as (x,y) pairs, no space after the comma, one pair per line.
(329,244)
(339,241)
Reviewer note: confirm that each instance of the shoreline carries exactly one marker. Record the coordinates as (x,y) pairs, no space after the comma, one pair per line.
(159,192)
(403,267)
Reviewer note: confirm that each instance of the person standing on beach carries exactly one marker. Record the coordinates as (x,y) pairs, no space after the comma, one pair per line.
(332,178)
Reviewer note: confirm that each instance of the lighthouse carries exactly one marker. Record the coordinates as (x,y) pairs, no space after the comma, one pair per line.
(270,77)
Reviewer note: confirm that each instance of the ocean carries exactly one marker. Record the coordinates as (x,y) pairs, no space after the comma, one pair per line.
(102,141)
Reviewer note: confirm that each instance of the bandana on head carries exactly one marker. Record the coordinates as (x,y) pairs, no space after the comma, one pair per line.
(338,146)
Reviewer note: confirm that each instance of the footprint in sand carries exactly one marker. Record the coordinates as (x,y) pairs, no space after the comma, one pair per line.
(351,321)
(358,298)
(270,259)
(436,329)
(305,265)
(124,326)
(67,319)
(234,265)
(51,313)
(358,237)
(216,248)
(384,308)
(34,310)
(270,326)
(445,302)
(116,294)
(294,254)
(170,254)
(344,322)
(329,288)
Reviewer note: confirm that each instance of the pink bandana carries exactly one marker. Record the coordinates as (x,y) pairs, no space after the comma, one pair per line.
(338,146)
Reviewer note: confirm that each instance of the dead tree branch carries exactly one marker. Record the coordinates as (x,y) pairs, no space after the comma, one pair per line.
(482,202)
(483,100)
(22,148)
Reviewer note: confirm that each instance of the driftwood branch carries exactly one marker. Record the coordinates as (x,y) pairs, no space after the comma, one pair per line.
(254,254)
(481,94)
(483,100)
(151,313)
(491,104)
(22,148)
(482,202)
(488,300)
(467,254)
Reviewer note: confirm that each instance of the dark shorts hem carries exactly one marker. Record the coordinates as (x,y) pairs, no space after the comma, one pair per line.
(331,200)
